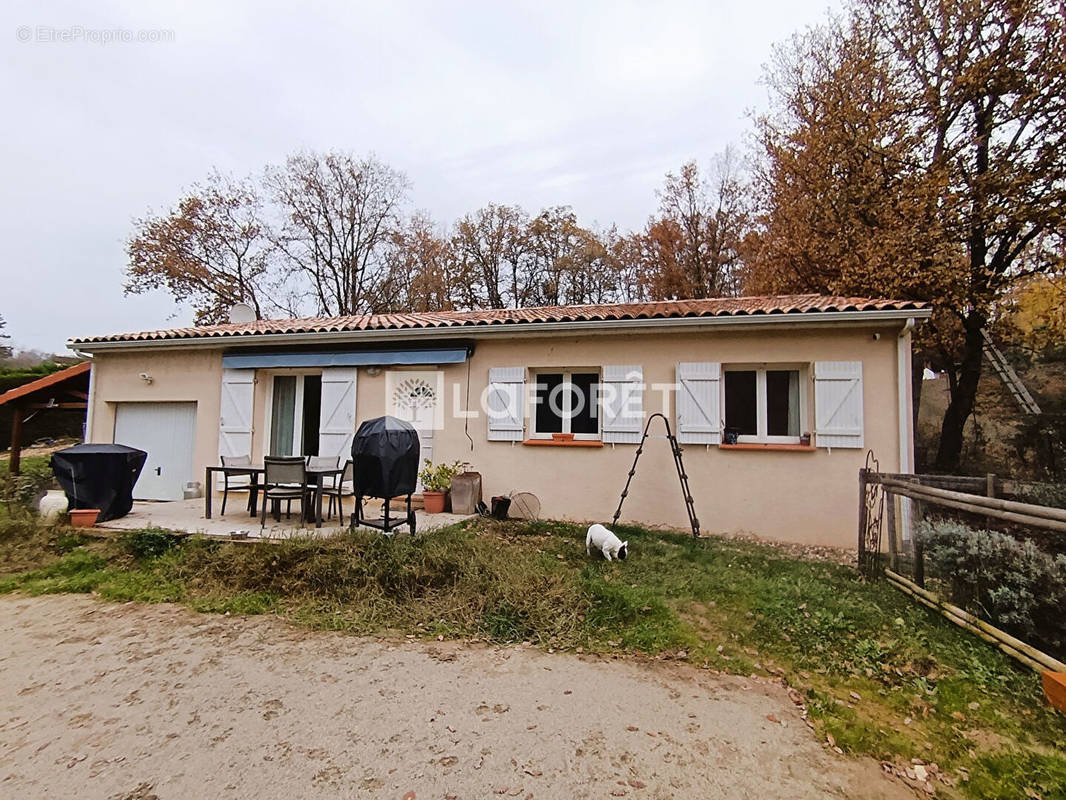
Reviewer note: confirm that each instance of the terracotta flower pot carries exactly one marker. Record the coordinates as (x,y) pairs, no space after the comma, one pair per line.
(434,502)
(84,517)
(1055,689)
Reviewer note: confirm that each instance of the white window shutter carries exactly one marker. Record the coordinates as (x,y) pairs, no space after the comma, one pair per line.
(622,404)
(699,418)
(506,403)
(235,414)
(337,418)
(838,403)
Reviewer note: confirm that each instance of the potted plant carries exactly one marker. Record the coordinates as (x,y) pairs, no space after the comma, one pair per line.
(436,480)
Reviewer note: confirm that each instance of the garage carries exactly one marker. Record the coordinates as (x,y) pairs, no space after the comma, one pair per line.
(166,431)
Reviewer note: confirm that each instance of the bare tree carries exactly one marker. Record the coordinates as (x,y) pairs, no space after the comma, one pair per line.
(422,273)
(5,349)
(692,248)
(338,214)
(211,250)
(492,248)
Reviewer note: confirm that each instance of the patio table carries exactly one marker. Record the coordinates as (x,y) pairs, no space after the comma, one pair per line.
(317,478)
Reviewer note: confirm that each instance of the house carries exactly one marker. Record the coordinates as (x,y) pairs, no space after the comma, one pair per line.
(776,401)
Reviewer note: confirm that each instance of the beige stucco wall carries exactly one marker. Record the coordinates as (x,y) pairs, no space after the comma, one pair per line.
(808,497)
(177,376)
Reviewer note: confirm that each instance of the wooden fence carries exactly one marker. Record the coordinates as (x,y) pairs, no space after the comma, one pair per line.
(973,495)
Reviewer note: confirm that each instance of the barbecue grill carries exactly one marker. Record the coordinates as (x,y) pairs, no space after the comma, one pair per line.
(99,476)
(385,458)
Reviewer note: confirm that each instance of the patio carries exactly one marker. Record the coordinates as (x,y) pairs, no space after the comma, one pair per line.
(188,516)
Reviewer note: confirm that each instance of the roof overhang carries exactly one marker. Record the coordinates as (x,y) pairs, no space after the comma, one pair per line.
(353,358)
(806,320)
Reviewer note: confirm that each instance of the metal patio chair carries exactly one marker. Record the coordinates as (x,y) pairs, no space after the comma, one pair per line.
(284,478)
(343,486)
(237,483)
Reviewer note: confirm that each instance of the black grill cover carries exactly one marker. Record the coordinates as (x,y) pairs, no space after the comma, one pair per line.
(385,458)
(99,476)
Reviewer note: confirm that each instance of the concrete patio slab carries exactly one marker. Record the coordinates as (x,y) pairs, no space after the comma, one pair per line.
(188,516)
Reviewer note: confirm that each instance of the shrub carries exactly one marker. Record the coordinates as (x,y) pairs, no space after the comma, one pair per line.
(1043,494)
(1013,584)
(28,487)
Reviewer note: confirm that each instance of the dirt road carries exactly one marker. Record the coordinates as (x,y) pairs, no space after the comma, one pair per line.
(135,702)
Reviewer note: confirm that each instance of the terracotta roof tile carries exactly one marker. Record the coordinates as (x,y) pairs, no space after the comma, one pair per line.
(666,309)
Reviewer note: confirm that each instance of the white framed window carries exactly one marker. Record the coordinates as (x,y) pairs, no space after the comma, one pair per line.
(568,402)
(765,404)
(294,409)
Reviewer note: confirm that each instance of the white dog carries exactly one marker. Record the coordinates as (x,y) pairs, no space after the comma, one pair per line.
(606,542)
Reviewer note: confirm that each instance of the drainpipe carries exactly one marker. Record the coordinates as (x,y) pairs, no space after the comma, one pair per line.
(906,417)
(92,396)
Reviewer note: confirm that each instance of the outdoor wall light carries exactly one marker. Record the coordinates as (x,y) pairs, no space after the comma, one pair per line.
(144,376)
(373,372)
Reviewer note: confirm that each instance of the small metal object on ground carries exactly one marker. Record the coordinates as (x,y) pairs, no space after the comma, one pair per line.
(525,505)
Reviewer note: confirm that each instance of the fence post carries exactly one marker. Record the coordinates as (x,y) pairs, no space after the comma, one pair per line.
(862,518)
(890,524)
(990,491)
(919,555)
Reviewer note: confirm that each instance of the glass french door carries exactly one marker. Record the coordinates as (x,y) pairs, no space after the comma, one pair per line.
(295,411)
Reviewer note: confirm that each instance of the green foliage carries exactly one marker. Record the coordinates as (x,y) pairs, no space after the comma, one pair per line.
(10,377)
(22,492)
(1042,494)
(439,478)
(1011,583)
(149,543)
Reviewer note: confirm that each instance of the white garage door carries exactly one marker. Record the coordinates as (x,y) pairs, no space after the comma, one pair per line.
(166,431)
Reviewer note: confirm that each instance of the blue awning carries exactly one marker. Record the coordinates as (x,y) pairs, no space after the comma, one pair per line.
(359,358)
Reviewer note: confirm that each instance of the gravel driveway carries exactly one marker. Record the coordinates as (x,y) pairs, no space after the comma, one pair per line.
(141,701)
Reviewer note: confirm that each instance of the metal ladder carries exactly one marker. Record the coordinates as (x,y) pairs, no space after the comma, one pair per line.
(1009,377)
(682,476)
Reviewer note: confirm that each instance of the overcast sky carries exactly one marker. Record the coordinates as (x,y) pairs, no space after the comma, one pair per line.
(536,103)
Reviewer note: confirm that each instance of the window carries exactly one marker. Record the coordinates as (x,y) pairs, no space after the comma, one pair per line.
(764,405)
(295,410)
(566,402)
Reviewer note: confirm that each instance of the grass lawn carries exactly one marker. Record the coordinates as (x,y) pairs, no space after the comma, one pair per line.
(29,463)
(880,676)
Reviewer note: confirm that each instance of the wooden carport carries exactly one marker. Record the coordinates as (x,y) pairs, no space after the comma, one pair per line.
(68,388)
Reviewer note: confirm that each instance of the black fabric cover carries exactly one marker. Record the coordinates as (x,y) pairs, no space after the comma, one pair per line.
(99,476)
(385,458)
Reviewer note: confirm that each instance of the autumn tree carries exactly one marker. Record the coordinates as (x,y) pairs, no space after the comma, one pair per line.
(691,248)
(916,148)
(337,214)
(571,264)
(1035,317)
(211,250)
(492,248)
(422,273)
(598,274)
